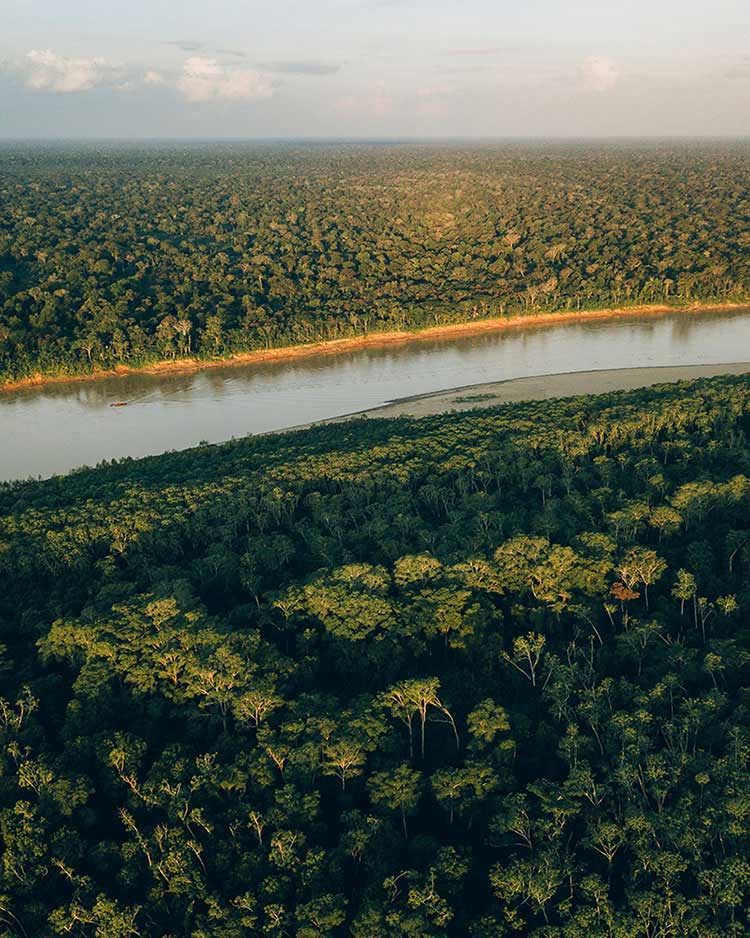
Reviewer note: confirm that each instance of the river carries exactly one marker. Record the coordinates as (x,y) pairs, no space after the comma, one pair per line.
(57,427)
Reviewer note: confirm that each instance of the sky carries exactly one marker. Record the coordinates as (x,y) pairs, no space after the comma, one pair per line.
(374,68)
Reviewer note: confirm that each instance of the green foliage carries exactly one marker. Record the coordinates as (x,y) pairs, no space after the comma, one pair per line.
(129,255)
(364,681)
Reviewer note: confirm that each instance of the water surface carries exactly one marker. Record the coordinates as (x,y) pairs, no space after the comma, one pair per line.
(57,427)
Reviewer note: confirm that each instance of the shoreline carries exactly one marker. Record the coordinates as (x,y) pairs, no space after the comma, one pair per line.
(375,340)
(557,386)
(479,397)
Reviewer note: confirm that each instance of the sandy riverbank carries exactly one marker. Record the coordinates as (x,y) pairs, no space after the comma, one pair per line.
(378,339)
(543,387)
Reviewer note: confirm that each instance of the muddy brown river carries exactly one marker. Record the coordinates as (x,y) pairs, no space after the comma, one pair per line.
(57,427)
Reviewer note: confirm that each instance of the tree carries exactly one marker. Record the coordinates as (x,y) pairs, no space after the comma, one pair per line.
(460,790)
(641,565)
(398,790)
(533,882)
(485,722)
(414,698)
(684,589)
(527,655)
(344,759)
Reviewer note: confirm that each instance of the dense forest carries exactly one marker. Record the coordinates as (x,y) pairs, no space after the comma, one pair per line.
(127,255)
(476,675)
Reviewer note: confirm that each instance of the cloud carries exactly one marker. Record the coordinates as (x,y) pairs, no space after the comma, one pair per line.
(186,45)
(153,77)
(599,74)
(204,46)
(48,71)
(483,50)
(204,79)
(303,68)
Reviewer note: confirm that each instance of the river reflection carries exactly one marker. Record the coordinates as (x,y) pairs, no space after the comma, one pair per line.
(60,426)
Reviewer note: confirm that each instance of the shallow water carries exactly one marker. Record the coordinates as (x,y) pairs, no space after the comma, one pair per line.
(58,427)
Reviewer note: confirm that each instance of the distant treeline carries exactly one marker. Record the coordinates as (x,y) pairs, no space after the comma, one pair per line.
(129,255)
(476,675)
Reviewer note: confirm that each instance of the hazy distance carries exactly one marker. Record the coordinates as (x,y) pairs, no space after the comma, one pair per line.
(374,68)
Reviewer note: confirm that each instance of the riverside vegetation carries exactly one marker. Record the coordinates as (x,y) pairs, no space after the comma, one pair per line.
(125,255)
(472,675)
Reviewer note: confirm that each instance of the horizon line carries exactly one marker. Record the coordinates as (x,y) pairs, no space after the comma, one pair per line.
(392,139)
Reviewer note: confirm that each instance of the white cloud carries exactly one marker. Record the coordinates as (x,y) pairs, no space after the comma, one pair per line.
(48,71)
(599,74)
(204,79)
(153,78)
